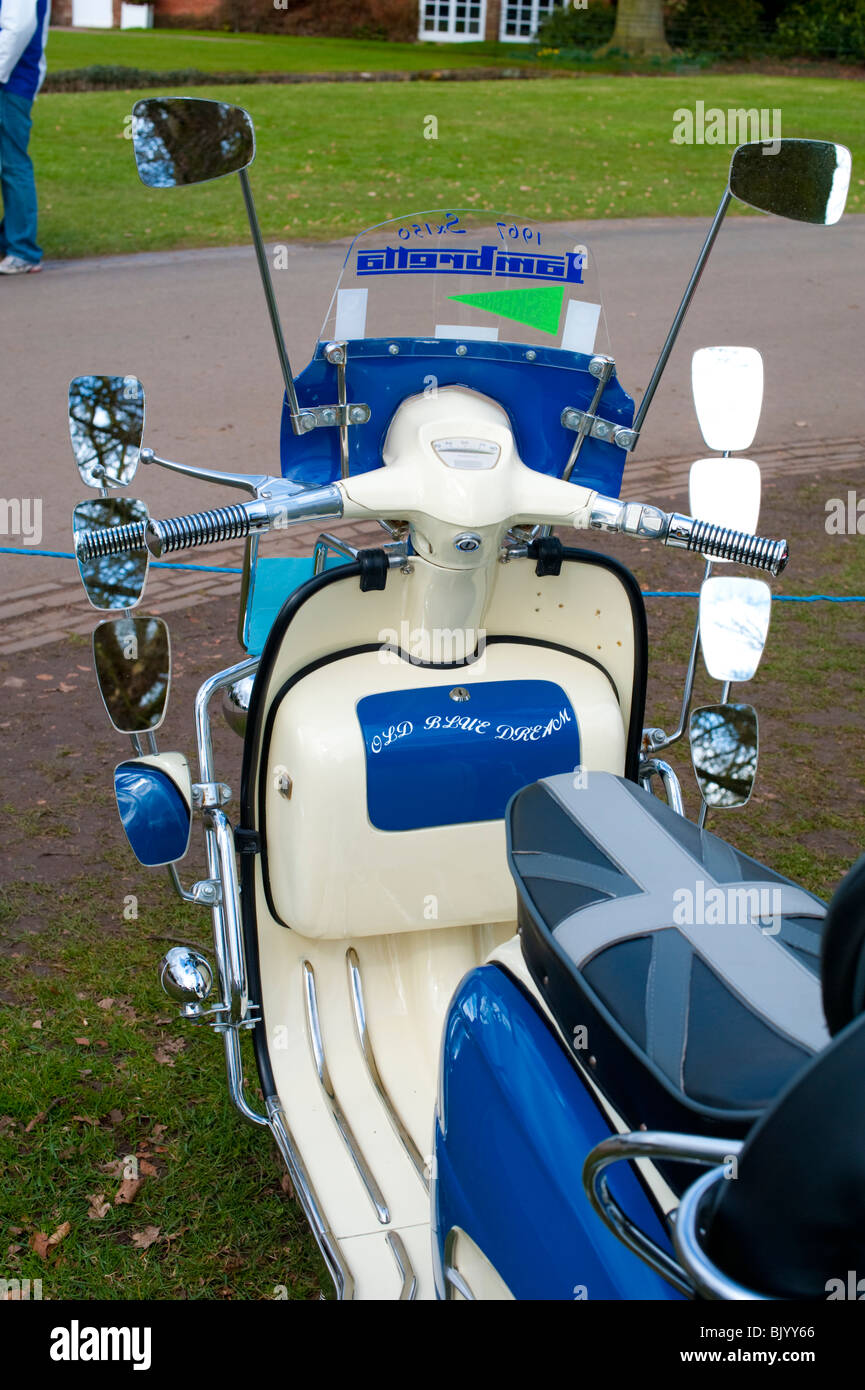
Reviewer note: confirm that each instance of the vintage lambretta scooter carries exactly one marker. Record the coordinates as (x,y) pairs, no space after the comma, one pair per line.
(474,951)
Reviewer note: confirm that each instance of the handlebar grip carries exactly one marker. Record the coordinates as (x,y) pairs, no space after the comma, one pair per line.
(201,528)
(110,540)
(721,543)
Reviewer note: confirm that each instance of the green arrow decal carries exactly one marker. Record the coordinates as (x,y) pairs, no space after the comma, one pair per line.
(536,308)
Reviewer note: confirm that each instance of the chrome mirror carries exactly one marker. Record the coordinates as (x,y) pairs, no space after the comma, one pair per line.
(111,581)
(724,750)
(106,426)
(132,657)
(727,492)
(734,622)
(187,977)
(235,704)
(806,180)
(727,383)
(154,798)
(183,140)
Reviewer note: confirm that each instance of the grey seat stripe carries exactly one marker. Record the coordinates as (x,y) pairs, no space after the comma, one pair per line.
(767,977)
(668,999)
(719,859)
(533,864)
(796,935)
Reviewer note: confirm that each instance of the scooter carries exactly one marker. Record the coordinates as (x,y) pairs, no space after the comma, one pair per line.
(445,908)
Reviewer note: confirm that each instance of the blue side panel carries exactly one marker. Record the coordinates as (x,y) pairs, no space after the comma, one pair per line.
(153,812)
(433,761)
(274,579)
(534,394)
(513,1128)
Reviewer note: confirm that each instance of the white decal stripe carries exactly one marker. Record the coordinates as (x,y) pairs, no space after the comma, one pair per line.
(350,314)
(581,325)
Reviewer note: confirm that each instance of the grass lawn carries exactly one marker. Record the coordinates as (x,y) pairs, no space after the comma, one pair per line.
(166,49)
(335,158)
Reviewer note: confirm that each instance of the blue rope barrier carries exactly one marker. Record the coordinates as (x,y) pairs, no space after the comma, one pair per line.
(647,593)
(157,564)
(777,598)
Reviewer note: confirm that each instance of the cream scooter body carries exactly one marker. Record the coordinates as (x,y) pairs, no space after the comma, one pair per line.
(362,934)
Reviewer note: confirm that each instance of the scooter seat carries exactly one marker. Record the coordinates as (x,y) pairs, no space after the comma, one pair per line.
(684,975)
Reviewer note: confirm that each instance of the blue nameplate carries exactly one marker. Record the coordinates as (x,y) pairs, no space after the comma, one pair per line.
(432,759)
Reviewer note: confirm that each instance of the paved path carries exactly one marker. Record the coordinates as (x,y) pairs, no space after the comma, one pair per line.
(192,325)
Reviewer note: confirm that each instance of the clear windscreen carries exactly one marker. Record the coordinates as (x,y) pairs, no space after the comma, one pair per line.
(470,276)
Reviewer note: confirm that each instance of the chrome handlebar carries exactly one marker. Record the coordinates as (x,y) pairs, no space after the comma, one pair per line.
(687,533)
(282,504)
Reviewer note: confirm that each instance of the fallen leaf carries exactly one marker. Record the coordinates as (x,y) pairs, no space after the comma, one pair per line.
(115,1116)
(7,1122)
(162,1057)
(142,1240)
(115,1169)
(43,1245)
(12,1250)
(158,1131)
(66,688)
(146,1169)
(287,1185)
(37,1023)
(128,1191)
(44,678)
(98,1206)
(37,1120)
(83,1042)
(105,1003)
(86,1119)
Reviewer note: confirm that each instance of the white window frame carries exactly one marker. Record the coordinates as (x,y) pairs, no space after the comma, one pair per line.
(448,9)
(533,10)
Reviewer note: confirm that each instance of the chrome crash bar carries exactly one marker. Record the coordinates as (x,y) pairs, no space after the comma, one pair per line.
(693,1274)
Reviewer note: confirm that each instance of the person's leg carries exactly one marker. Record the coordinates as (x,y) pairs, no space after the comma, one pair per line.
(17,183)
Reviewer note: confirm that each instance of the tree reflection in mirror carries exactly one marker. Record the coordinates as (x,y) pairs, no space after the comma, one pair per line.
(106,426)
(112,581)
(183,140)
(735,612)
(132,657)
(806,180)
(724,748)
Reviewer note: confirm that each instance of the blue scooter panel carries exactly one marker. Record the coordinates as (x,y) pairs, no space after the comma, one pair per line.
(430,761)
(514,1125)
(534,394)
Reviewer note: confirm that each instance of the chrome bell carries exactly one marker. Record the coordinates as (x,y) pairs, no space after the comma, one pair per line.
(235,704)
(186,976)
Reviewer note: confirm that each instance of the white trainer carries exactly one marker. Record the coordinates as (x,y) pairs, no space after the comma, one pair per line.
(14,265)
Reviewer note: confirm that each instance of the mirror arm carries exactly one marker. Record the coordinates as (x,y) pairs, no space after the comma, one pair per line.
(182,893)
(689,682)
(247,482)
(270,297)
(682,311)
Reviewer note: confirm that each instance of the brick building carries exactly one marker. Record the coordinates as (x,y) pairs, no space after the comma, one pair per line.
(439,21)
